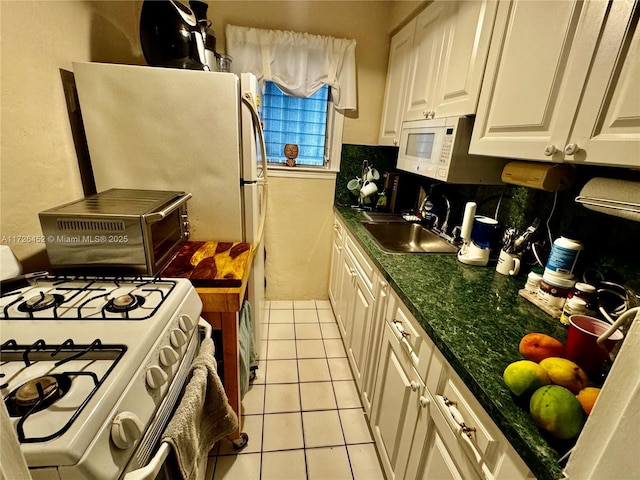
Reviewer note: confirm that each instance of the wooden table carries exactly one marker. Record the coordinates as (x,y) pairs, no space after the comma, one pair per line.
(221,308)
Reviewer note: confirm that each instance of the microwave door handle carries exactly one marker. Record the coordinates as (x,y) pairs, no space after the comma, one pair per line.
(249,101)
(157,216)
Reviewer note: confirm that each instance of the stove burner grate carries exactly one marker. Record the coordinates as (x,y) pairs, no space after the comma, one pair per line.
(37,394)
(124,303)
(41,302)
(42,392)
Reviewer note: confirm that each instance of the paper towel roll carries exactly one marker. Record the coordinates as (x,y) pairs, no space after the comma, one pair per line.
(620,198)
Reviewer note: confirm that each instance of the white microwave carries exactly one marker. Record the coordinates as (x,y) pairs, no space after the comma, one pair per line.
(439,149)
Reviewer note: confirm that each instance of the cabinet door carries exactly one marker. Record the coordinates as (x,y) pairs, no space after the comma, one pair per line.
(348,275)
(394,410)
(373,349)
(527,104)
(336,261)
(425,59)
(436,452)
(397,75)
(607,126)
(467,32)
(361,318)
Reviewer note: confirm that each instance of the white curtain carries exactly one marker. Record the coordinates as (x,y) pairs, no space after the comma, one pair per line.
(299,63)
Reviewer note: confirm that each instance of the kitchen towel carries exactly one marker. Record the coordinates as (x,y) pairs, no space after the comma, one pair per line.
(248,354)
(203,417)
(620,198)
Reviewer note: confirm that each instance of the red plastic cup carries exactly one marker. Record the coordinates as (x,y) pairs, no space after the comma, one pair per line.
(582,346)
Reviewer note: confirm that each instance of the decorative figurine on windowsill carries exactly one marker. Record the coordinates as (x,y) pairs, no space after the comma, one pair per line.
(291,152)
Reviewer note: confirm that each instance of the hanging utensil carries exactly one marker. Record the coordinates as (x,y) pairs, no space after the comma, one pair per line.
(520,243)
(508,238)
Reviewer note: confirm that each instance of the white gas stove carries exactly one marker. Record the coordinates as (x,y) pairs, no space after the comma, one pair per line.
(91,369)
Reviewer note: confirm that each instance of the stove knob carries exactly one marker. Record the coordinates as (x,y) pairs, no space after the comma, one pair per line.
(186,323)
(156,377)
(126,429)
(177,338)
(168,356)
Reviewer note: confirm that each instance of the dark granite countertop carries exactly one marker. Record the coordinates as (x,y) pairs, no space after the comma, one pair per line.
(476,318)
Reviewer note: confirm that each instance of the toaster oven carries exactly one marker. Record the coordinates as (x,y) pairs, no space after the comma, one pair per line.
(118,231)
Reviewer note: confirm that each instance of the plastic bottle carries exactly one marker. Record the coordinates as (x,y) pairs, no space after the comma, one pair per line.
(563,257)
(573,306)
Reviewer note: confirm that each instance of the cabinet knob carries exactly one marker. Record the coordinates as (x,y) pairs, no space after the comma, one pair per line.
(571,149)
(414,385)
(549,150)
(395,142)
(424,401)
(432,114)
(425,113)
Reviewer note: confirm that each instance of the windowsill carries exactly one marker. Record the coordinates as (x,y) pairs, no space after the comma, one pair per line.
(301,172)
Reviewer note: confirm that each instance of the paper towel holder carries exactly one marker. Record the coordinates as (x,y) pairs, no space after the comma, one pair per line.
(592,197)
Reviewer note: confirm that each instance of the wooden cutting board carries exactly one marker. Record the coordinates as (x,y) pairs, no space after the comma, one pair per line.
(210,264)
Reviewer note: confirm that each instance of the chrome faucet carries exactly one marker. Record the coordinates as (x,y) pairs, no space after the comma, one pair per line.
(445,224)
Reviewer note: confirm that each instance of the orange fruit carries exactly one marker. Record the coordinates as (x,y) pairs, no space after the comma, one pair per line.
(587,398)
(538,346)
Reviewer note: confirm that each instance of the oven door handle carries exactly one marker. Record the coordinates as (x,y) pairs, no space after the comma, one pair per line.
(150,472)
(157,216)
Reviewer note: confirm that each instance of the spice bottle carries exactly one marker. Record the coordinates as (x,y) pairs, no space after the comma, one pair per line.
(587,293)
(573,306)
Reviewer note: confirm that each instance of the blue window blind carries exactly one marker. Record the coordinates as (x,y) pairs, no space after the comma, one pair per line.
(302,121)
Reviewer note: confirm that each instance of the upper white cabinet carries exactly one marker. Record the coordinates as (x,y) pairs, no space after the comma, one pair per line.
(436,64)
(425,61)
(397,75)
(561,84)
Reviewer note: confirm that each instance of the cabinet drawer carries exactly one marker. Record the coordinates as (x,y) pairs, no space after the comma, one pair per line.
(481,439)
(416,342)
(362,263)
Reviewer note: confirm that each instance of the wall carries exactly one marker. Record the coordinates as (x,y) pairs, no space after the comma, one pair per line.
(39,167)
(299,227)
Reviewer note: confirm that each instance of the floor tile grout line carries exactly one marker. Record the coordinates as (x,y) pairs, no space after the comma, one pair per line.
(335,397)
(304,443)
(264,398)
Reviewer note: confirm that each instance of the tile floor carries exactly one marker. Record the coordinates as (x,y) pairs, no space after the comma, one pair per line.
(303,414)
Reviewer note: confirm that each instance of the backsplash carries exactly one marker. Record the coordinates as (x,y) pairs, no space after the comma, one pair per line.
(609,241)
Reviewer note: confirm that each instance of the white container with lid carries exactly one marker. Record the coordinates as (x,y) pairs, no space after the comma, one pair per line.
(554,289)
(563,257)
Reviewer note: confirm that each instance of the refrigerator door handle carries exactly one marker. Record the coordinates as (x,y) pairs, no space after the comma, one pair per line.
(249,101)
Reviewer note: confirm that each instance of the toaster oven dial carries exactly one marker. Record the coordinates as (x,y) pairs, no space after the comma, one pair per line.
(168,356)
(177,338)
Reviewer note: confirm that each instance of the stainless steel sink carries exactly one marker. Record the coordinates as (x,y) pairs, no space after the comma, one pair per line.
(408,238)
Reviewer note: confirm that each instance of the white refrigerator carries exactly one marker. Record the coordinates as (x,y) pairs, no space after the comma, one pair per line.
(172,129)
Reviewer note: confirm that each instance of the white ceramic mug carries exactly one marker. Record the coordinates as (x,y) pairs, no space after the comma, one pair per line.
(354,185)
(368,189)
(372,174)
(508,263)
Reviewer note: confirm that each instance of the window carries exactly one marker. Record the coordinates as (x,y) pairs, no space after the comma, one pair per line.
(302,121)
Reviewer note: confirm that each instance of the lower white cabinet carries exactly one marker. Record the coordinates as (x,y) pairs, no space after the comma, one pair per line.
(425,421)
(358,296)
(395,404)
